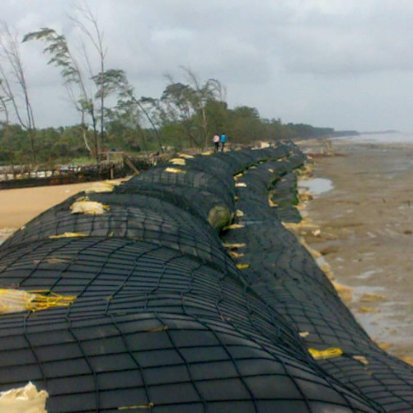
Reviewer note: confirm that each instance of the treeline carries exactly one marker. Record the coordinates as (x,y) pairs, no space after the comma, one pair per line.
(66,144)
(111,114)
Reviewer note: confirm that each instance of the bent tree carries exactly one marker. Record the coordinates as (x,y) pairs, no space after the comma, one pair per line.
(13,85)
(86,88)
(73,79)
(187,104)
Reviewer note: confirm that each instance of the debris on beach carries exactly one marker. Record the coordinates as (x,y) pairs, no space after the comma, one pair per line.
(372,297)
(367,309)
(345,292)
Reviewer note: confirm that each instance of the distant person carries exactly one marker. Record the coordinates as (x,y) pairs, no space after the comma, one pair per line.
(223,140)
(216,140)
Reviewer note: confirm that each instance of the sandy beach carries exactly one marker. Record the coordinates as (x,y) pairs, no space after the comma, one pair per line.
(365,234)
(18,206)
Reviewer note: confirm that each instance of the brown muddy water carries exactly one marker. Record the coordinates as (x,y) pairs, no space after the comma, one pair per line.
(366,235)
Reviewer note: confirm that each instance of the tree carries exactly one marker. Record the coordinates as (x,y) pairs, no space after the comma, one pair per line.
(245,124)
(187,104)
(210,91)
(115,81)
(73,78)
(13,83)
(95,35)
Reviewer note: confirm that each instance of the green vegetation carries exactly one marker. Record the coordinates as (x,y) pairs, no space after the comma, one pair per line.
(63,144)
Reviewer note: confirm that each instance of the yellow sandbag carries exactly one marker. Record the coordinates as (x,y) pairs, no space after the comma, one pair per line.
(178,161)
(16,301)
(243,266)
(239,213)
(240,185)
(24,400)
(175,170)
(328,353)
(68,235)
(88,207)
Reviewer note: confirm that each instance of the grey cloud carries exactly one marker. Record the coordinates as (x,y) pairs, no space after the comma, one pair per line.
(342,63)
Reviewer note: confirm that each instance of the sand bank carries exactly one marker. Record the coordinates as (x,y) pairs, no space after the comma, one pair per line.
(366,234)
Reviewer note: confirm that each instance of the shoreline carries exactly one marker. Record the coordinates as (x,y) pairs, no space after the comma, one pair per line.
(364,235)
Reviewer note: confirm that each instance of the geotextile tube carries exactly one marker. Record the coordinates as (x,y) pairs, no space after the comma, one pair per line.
(151,311)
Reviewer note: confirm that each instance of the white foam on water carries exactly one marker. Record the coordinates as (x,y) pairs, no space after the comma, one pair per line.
(317,186)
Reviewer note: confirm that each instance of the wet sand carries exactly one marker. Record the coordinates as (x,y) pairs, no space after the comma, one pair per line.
(366,234)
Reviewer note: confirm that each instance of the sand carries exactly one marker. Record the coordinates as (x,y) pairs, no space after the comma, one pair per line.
(18,206)
(366,234)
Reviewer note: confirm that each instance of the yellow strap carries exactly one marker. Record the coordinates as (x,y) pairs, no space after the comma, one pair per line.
(233,226)
(68,235)
(139,406)
(361,359)
(175,171)
(52,300)
(234,245)
(14,301)
(235,255)
(328,353)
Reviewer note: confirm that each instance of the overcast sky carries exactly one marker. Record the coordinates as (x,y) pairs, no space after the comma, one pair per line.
(339,63)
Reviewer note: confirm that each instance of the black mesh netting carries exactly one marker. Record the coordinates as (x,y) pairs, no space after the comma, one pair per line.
(166,319)
(283,273)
